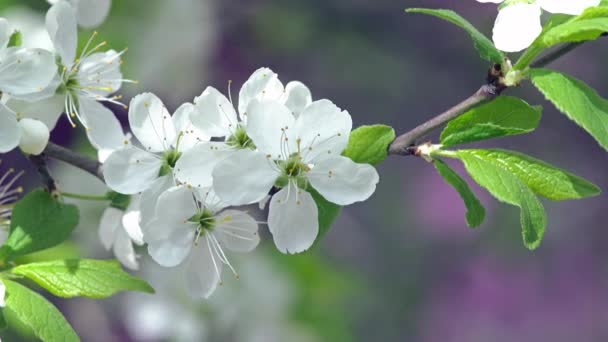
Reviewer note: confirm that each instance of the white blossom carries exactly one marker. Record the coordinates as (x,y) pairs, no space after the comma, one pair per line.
(90,13)
(119,229)
(195,227)
(519,21)
(294,154)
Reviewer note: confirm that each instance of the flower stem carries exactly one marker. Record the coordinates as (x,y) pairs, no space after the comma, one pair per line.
(85,197)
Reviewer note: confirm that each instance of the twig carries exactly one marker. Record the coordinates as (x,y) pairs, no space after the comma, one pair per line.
(82,162)
(403,144)
(39,162)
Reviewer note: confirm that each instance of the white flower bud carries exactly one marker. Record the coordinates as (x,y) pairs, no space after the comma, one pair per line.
(34,136)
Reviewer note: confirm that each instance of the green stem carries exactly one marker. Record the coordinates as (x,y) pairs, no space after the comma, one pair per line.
(85,197)
(445,153)
(526,59)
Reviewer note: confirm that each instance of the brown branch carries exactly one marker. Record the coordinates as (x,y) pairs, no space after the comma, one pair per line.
(39,162)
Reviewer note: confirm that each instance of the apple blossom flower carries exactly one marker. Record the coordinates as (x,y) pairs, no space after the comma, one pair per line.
(215,116)
(194,224)
(119,229)
(518,23)
(294,154)
(90,13)
(8,196)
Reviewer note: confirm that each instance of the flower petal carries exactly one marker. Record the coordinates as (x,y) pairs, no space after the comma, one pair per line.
(270,125)
(171,250)
(517,26)
(190,135)
(202,274)
(151,123)
(567,6)
(262,85)
(109,223)
(48,110)
(237,230)
(195,166)
(61,25)
(124,251)
(130,170)
(244,177)
(149,198)
(99,73)
(130,222)
(9,129)
(297,97)
(103,128)
(5,33)
(322,129)
(92,13)
(174,208)
(25,71)
(293,220)
(34,136)
(342,181)
(215,115)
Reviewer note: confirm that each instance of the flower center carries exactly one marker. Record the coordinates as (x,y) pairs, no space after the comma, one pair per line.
(205,220)
(170,158)
(292,169)
(240,139)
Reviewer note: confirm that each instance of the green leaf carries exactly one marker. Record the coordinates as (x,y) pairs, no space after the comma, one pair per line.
(369,144)
(39,221)
(82,277)
(328,212)
(502,117)
(486,48)
(508,188)
(587,26)
(578,101)
(475,211)
(35,312)
(15,40)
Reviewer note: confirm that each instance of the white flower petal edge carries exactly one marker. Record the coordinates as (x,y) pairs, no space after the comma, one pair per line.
(130,170)
(342,181)
(572,7)
(150,196)
(92,13)
(293,220)
(237,231)
(196,165)
(109,223)
(202,272)
(244,177)
(104,130)
(30,71)
(123,250)
(215,116)
(262,85)
(297,97)
(188,135)
(9,129)
(34,136)
(151,123)
(517,26)
(61,25)
(269,125)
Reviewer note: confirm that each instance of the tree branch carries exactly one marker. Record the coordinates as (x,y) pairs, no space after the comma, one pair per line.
(404,144)
(39,162)
(80,161)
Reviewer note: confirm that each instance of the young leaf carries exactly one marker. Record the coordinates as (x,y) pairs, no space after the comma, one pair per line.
(486,48)
(35,312)
(587,26)
(39,221)
(15,40)
(577,100)
(475,211)
(82,277)
(508,188)
(369,144)
(502,117)
(544,179)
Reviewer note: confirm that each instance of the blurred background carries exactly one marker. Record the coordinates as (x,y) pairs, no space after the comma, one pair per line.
(402,266)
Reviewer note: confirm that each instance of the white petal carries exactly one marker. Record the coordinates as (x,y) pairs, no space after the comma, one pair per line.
(202,276)
(2,294)
(323,129)
(34,136)
(103,128)
(149,198)
(48,110)
(174,208)
(572,7)
(342,181)
(92,13)
(100,73)
(151,123)
(195,166)
(262,85)
(130,223)
(293,220)
(215,115)
(190,135)
(123,250)
(171,250)
(209,199)
(297,97)
(61,25)
(40,96)
(5,33)
(130,170)
(244,177)
(9,130)
(237,230)
(25,71)
(517,26)
(110,222)
(270,126)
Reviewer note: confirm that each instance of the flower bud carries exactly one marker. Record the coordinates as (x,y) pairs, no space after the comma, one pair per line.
(34,136)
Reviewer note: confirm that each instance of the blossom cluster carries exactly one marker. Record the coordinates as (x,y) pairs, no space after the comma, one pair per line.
(188,170)
(519,21)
